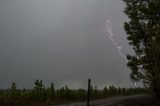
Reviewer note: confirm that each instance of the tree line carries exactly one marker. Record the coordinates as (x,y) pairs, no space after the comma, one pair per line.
(50,94)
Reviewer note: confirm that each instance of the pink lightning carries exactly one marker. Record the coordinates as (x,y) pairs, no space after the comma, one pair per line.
(109,30)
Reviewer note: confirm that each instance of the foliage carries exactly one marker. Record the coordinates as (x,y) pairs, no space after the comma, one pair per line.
(143,30)
(51,92)
(39,90)
(13,90)
(51,95)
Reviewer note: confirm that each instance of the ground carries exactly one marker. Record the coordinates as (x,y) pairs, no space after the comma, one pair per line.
(135,100)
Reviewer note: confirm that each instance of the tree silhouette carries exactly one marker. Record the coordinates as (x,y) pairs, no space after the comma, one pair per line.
(51,92)
(51,95)
(13,90)
(143,30)
(39,89)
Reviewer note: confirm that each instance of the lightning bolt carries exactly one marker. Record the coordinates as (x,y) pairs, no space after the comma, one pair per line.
(109,30)
(119,48)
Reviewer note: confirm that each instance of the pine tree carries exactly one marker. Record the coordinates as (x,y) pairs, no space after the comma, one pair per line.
(51,92)
(95,92)
(13,90)
(143,30)
(39,89)
(105,91)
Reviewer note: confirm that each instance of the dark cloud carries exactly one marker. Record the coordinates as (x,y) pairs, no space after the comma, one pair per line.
(63,41)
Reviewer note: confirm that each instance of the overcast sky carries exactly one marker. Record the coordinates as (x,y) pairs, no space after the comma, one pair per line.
(62,41)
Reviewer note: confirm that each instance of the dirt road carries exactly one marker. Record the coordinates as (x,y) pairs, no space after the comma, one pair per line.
(135,100)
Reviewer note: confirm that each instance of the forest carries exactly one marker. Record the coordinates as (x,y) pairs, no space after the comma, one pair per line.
(50,95)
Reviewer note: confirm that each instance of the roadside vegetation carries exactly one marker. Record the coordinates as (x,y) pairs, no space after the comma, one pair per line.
(49,95)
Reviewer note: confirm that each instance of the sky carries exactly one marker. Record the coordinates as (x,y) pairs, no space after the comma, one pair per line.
(62,41)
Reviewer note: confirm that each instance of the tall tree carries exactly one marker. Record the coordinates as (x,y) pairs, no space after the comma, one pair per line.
(143,30)
(39,89)
(13,90)
(51,92)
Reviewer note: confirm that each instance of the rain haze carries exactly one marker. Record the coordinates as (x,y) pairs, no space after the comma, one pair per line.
(62,41)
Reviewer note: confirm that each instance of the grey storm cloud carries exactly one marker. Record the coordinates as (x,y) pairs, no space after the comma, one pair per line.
(62,41)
